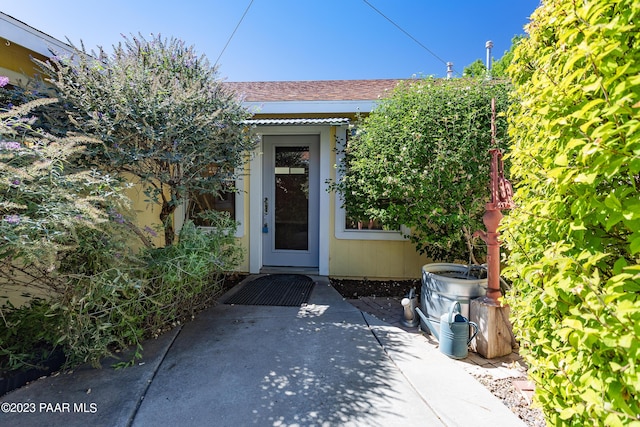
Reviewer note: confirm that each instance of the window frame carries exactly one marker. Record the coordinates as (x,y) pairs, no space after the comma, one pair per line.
(182,210)
(341,231)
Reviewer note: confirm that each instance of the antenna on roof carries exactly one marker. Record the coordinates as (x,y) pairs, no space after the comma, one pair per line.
(449,70)
(488,45)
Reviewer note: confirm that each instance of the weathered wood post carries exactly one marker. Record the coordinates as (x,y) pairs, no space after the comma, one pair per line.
(495,336)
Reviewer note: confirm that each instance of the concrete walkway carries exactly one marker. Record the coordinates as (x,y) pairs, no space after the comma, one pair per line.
(325,364)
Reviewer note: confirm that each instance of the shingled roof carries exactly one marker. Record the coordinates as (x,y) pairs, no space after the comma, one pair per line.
(312,90)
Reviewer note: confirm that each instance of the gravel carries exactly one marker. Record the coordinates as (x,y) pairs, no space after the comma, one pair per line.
(513,399)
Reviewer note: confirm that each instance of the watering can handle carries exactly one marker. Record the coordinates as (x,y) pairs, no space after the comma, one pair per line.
(475,331)
(452,310)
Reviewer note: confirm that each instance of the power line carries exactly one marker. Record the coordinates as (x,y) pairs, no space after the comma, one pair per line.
(234,32)
(405,32)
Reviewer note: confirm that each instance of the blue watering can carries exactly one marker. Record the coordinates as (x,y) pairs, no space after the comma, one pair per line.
(454,333)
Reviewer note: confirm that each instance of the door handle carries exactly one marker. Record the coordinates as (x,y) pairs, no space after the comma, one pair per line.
(266,205)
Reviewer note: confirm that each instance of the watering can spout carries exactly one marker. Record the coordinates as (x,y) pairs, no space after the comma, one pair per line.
(432,329)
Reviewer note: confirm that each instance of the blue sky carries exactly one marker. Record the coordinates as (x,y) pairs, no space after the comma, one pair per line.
(297,39)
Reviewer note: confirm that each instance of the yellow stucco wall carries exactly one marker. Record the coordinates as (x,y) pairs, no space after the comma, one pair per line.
(16,62)
(146,214)
(244,239)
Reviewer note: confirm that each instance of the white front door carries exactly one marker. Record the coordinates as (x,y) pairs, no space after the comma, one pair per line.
(290,205)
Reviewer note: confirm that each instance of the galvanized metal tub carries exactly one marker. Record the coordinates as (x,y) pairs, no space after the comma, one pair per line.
(443,284)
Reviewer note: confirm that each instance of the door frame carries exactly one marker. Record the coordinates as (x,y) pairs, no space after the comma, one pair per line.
(256,194)
(271,256)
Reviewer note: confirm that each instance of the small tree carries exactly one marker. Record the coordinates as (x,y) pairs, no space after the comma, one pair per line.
(162,114)
(574,240)
(476,69)
(421,160)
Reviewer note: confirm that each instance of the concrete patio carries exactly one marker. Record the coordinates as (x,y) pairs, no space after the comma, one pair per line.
(324,364)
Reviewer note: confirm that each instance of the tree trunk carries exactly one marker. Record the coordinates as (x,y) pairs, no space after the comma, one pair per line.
(167,223)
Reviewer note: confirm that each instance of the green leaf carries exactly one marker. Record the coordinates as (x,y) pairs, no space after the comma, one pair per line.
(612,202)
(586,178)
(567,413)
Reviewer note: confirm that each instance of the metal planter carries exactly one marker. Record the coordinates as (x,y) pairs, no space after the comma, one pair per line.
(443,284)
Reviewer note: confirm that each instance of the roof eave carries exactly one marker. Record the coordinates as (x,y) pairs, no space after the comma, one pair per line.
(22,34)
(331,121)
(310,107)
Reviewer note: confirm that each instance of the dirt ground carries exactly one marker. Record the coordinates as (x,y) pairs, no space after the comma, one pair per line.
(374,288)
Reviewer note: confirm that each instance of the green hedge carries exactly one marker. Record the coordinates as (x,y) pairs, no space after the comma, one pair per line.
(574,241)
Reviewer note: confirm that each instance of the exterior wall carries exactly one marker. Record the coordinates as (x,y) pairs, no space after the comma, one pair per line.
(375,259)
(17,63)
(348,257)
(147,214)
(243,238)
(370,258)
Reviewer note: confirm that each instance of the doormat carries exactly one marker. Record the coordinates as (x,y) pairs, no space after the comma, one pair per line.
(288,290)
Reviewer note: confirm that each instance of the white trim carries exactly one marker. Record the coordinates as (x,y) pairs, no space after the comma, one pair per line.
(335,121)
(340,214)
(310,107)
(255,211)
(325,199)
(26,36)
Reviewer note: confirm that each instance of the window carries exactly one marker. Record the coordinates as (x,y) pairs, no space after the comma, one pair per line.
(230,199)
(223,202)
(353,227)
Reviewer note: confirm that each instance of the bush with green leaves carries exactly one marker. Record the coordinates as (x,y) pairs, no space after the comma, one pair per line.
(574,239)
(91,315)
(421,159)
(28,335)
(162,114)
(59,222)
(188,275)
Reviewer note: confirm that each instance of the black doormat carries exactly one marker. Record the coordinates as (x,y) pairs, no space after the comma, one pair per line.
(288,290)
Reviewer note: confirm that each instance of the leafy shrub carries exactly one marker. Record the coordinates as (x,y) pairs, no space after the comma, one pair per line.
(102,313)
(575,238)
(188,275)
(421,159)
(64,228)
(28,337)
(47,201)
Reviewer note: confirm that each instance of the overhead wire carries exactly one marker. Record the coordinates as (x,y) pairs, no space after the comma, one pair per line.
(233,33)
(406,33)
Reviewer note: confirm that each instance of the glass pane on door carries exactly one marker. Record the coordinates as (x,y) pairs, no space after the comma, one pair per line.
(292,198)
